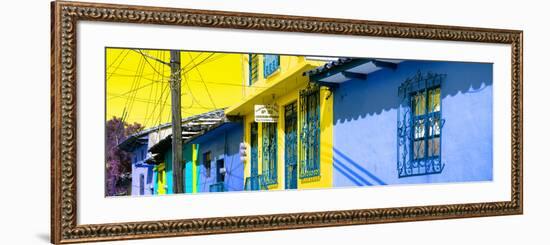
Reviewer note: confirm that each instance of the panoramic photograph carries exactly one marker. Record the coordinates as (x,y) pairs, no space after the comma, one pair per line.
(187,121)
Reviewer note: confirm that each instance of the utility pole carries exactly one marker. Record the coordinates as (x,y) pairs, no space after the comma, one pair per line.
(175,91)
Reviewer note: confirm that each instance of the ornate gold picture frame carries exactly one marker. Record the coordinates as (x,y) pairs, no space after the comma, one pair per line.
(64,108)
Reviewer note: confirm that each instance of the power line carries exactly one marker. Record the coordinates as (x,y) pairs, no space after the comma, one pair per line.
(147,57)
(161,109)
(118,66)
(114,61)
(137,80)
(130,75)
(136,89)
(193,98)
(209,82)
(192,59)
(131,96)
(150,93)
(186,71)
(152,101)
(206,87)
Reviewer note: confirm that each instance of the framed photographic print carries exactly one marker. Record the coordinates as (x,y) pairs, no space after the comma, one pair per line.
(175,122)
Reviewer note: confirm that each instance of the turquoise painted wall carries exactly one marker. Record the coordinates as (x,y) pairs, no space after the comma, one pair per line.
(155,182)
(188,158)
(190,187)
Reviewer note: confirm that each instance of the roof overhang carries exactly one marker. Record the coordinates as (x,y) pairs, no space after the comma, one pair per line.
(190,123)
(191,129)
(132,142)
(344,69)
(154,159)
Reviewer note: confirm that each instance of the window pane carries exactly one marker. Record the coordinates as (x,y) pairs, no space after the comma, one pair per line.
(419,129)
(433,147)
(435,126)
(252,68)
(434,100)
(418,150)
(269,148)
(271,64)
(309,120)
(419,104)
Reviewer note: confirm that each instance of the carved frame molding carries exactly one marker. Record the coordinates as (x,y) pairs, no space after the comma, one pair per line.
(65,16)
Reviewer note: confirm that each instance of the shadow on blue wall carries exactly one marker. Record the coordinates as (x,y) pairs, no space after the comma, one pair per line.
(353,176)
(366,114)
(376,103)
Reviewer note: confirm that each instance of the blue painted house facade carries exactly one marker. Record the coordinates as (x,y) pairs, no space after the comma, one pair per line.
(210,154)
(219,165)
(409,122)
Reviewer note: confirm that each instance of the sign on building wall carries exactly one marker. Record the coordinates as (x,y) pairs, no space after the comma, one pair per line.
(266,113)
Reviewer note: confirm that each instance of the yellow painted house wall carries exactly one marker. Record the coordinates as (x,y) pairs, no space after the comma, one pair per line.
(161,182)
(247,120)
(288,64)
(291,64)
(324,180)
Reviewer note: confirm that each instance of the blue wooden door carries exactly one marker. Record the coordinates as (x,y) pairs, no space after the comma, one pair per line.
(291,146)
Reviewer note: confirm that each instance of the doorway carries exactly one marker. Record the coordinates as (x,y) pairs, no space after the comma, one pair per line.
(291,146)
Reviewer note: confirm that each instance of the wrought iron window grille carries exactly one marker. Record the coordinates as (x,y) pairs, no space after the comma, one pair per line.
(419,126)
(291,145)
(255,183)
(217,187)
(309,153)
(420,81)
(252,68)
(253,149)
(269,152)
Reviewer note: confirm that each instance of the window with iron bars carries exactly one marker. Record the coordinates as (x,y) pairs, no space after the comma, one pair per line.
(269,152)
(419,125)
(426,124)
(310,133)
(252,68)
(271,64)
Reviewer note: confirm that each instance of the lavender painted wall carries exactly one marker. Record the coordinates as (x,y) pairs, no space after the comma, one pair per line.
(141,185)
